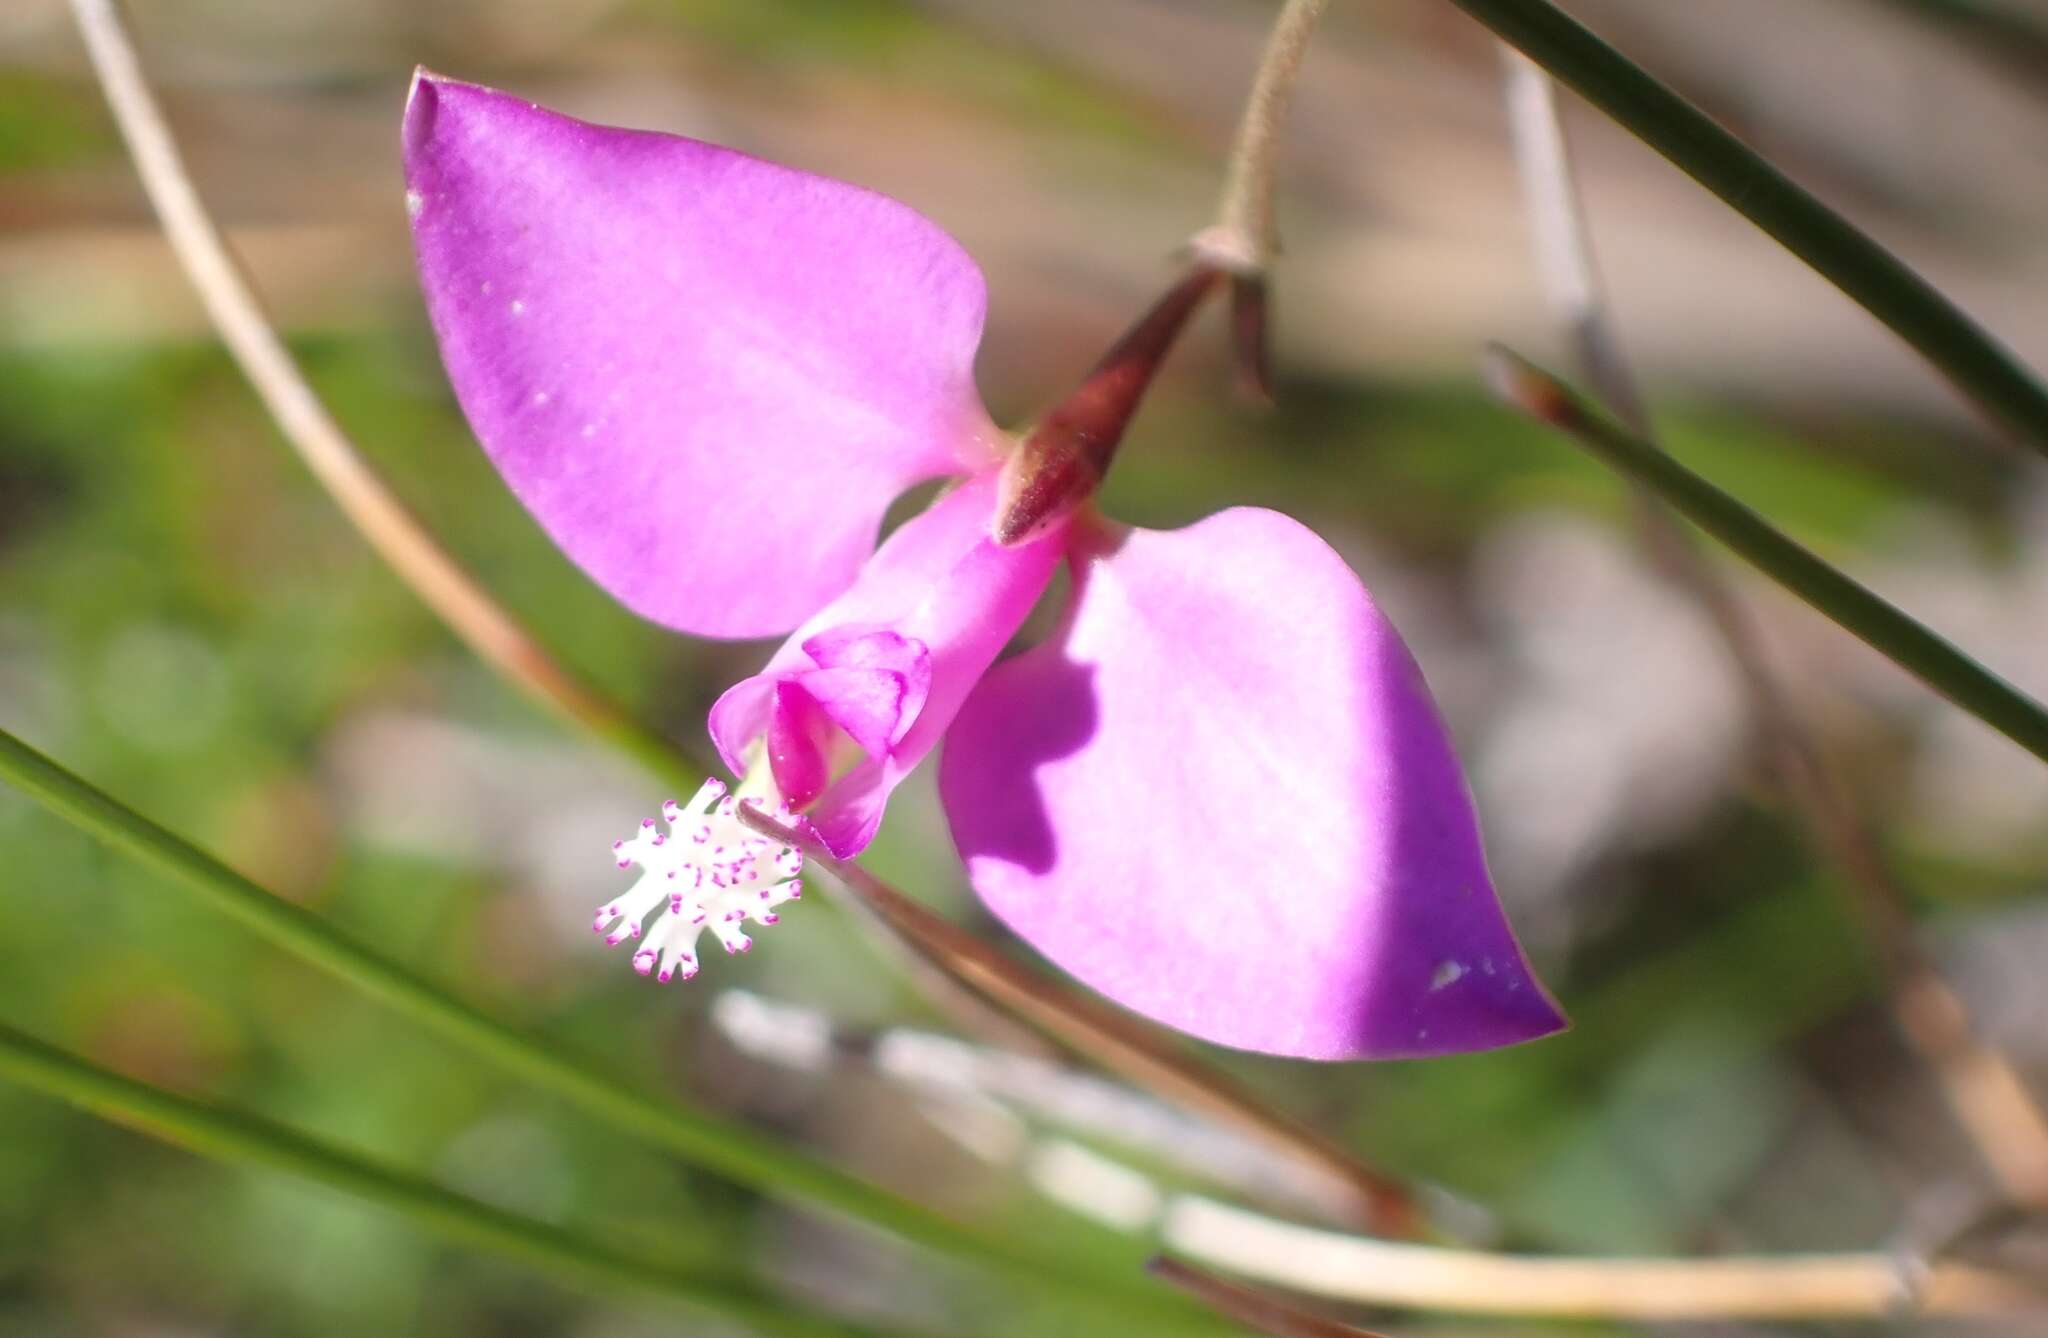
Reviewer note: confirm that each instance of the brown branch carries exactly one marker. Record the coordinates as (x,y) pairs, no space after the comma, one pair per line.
(1423,1277)
(1990,1100)
(1112,1038)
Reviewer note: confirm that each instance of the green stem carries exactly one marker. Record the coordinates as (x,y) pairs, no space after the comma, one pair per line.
(1976,362)
(232,1136)
(729,1149)
(1907,643)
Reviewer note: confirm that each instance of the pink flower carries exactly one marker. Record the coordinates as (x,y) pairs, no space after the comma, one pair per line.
(1219,793)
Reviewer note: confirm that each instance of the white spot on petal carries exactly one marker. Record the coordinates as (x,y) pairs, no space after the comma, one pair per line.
(414,202)
(518,307)
(1447,973)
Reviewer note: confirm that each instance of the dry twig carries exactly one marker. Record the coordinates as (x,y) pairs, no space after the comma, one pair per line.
(1110,1037)
(231,303)
(1245,237)
(1249,1306)
(1985,1091)
(1423,1277)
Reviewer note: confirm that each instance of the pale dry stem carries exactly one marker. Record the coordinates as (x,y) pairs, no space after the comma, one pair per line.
(1866,1285)
(1243,238)
(1255,1309)
(1109,1037)
(1989,1098)
(231,303)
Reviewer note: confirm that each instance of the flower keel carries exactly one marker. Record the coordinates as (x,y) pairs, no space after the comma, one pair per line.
(859,694)
(706,871)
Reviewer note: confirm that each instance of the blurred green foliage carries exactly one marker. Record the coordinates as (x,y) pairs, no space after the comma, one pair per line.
(177,554)
(185,620)
(48,123)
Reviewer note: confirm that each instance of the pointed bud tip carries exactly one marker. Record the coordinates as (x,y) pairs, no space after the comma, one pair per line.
(416,125)
(1041,485)
(1516,381)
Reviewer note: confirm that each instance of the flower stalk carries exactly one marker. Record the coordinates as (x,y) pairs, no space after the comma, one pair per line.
(1245,235)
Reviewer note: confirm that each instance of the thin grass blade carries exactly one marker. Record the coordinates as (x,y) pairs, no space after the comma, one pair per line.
(1907,643)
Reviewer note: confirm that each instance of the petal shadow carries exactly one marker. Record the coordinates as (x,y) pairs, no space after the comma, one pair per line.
(1030,710)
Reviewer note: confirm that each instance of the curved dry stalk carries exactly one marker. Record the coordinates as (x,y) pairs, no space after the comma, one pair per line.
(1110,1037)
(948,964)
(1982,1087)
(1271,1250)
(231,304)
(1249,1306)
(1423,1277)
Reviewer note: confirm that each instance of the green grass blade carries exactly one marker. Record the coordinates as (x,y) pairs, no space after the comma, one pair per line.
(721,1146)
(1979,365)
(1907,643)
(243,1139)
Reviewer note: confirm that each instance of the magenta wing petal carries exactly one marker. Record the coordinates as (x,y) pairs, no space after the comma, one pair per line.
(888,663)
(1223,797)
(706,376)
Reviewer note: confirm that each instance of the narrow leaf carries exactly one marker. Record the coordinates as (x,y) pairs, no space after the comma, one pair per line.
(722,1146)
(1907,643)
(243,1139)
(1878,281)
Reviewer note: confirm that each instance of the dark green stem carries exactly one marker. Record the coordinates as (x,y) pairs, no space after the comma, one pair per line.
(1907,643)
(232,1136)
(1976,362)
(718,1145)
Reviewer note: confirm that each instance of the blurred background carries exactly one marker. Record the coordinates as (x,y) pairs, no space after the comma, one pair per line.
(186,620)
